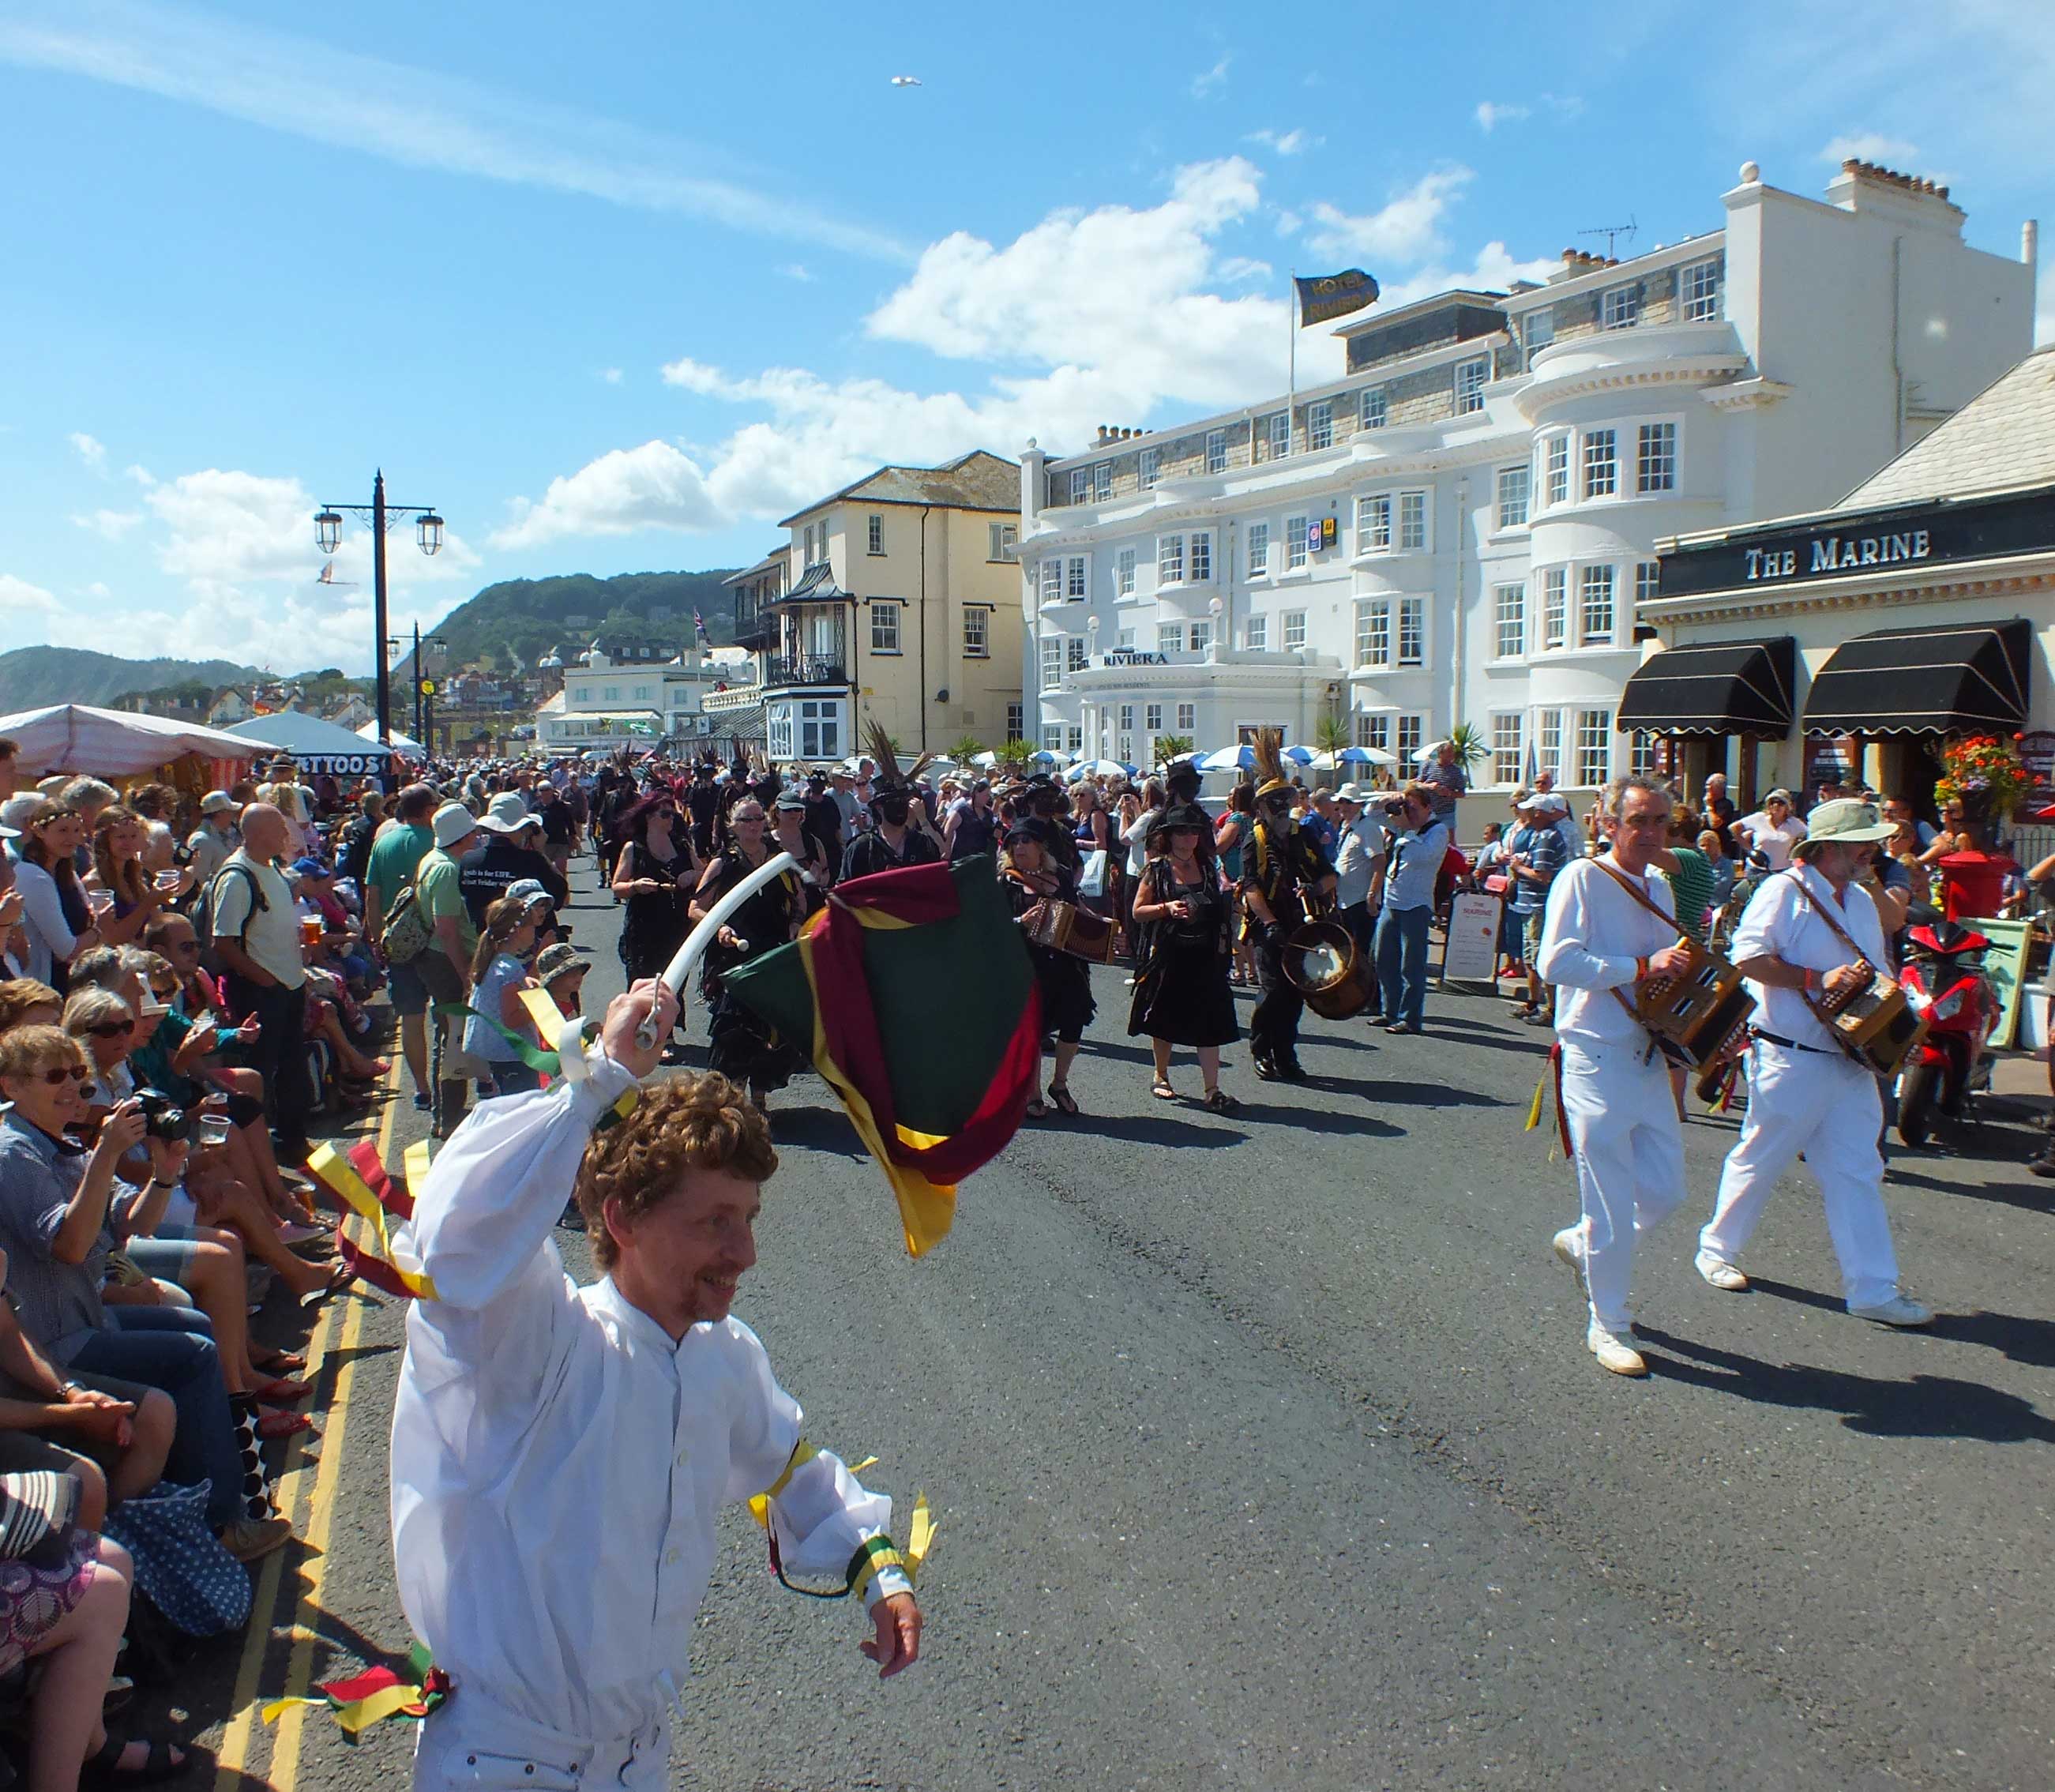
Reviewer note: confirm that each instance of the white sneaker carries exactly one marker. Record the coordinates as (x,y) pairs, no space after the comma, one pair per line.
(1613,1353)
(1721,1273)
(1896,1311)
(1568,1245)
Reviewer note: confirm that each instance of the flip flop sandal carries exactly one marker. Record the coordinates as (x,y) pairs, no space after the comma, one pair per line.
(1219,1101)
(103,1767)
(274,1424)
(1060,1096)
(282,1393)
(1037,1109)
(339,1279)
(1163,1091)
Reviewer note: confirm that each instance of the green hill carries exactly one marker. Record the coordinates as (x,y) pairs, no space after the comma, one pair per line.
(510,625)
(33,676)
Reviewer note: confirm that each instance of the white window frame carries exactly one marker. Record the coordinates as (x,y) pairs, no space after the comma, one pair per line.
(1169,560)
(1373,408)
(1411,631)
(874,540)
(1296,552)
(1508,746)
(1216,451)
(1077,743)
(1510,620)
(1278,428)
(1515,494)
(1188,717)
(1127,718)
(1555,608)
(1170,637)
(1292,631)
(1620,307)
(1102,481)
(1416,526)
(1537,331)
(1549,730)
(1123,572)
(1081,485)
(1259,550)
(1002,541)
(1600,471)
(1701,291)
(1655,455)
(1373,634)
(1470,384)
(1319,425)
(1372,523)
(1199,558)
(1151,468)
(977,633)
(1200,636)
(1052,737)
(1052,660)
(1151,718)
(1256,634)
(1016,721)
(1373,730)
(885,619)
(1594,744)
(1409,735)
(1077,578)
(1647,582)
(1556,469)
(1598,596)
(1076,655)
(1049,579)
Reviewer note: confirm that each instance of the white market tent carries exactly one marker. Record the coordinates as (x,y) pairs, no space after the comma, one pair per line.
(399,743)
(315,745)
(114,744)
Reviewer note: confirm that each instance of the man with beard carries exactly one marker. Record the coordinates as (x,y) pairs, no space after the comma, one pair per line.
(891,842)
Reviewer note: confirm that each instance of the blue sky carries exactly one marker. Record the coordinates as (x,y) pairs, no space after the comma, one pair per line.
(617,295)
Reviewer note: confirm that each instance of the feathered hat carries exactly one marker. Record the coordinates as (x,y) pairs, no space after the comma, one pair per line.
(889,777)
(1269,747)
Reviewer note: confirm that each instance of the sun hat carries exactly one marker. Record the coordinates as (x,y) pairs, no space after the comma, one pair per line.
(507,813)
(215,803)
(1187,817)
(1846,820)
(1352,792)
(453,822)
(554,961)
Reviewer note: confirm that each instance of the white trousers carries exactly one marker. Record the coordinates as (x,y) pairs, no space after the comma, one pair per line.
(486,1750)
(1623,1120)
(1823,1105)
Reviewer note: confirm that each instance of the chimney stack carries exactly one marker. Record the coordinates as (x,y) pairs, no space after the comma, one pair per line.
(2029,242)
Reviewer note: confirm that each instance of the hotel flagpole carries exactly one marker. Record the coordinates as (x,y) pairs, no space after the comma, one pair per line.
(1291,387)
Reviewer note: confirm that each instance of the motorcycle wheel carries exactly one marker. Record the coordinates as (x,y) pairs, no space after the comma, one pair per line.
(1915,1102)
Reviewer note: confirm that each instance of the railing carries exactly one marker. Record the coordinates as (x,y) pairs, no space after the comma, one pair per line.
(807,668)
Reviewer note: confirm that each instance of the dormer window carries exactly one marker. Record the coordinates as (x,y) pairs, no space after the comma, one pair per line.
(1620,307)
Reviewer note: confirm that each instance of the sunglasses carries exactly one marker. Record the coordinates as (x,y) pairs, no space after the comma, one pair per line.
(55,1075)
(111,1029)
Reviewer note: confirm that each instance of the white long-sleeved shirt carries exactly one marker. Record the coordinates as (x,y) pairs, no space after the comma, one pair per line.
(43,922)
(1592,937)
(1780,922)
(558,1463)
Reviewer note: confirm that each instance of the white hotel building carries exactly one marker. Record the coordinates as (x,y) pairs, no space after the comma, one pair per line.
(1463,528)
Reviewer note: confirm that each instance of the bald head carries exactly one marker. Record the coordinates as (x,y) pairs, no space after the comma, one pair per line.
(263,831)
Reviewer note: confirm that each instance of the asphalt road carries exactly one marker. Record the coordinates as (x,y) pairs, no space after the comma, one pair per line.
(1266,1451)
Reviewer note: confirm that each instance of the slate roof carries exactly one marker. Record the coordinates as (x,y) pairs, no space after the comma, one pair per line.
(2004,438)
(978,481)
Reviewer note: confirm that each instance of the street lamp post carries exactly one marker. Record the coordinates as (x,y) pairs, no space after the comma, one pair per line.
(382,516)
(424,687)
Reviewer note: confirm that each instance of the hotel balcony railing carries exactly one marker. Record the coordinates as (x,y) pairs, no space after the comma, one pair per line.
(807,668)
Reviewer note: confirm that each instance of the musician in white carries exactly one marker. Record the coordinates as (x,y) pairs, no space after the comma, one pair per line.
(1803,1093)
(1597,941)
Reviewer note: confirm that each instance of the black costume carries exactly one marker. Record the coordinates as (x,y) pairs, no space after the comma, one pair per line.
(657,922)
(1181,987)
(741,1044)
(1282,864)
(1063,980)
(871,852)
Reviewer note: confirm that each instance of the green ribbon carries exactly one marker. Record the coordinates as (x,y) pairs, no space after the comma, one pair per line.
(543,1064)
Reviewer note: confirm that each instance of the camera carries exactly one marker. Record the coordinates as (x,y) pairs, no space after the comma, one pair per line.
(163,1117)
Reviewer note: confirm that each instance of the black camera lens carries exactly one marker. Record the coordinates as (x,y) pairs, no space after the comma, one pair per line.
(163,1117)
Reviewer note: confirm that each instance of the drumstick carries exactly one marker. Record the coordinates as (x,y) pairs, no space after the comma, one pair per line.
(679,970)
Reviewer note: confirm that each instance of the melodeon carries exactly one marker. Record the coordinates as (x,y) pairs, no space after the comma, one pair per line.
(1698,1013)
(1065,927)
(1874,1024)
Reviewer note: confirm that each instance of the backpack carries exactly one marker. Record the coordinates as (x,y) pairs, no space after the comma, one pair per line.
(203,911)
(406,933)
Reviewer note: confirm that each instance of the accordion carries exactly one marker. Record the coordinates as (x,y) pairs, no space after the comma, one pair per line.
(1874,1025)
(1065,927)
(1695,1013)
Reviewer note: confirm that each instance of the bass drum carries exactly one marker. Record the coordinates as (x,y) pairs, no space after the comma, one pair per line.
(1321,962)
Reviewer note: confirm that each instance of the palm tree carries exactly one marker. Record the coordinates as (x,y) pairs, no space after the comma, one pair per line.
(1468,741)
(1331,734)
(966,749)
(1172,746)
(1014,753)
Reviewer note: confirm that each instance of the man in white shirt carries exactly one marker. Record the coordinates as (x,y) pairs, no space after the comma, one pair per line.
(1803,1093)
(561,1455)
(256,934)
(1358,864)
(1597,942)
(1773,830)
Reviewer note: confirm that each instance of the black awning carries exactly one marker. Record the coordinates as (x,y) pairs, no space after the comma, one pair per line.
(1713,687)
(816,585)
(1951,679)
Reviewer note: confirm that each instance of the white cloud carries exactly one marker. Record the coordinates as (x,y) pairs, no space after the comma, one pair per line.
(19,597)
(1494,270)
(110,524)
(142,475)
(798,271)
(613,376)
(1237,268)
(655,486)
(1407,228)
(1289,143)
(348,101)
(1204,86)
(695,375)
(1490,115)
(1870,146)
(92,452)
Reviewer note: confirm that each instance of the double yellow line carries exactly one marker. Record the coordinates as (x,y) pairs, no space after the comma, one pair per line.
(230,1763)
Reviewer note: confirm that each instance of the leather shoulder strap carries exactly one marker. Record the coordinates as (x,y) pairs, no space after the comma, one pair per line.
(1826,915)
(1636,892)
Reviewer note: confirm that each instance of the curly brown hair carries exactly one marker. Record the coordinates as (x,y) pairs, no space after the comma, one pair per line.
(689,1122)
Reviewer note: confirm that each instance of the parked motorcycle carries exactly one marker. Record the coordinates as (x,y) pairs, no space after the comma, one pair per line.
(1944,984)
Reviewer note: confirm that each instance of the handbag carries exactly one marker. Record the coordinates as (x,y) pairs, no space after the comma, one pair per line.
(1091,879)
(180,1563)
(406,933)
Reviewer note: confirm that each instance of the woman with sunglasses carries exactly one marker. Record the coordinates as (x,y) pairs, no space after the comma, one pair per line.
(56,919)
(63,1213)
(654,876)
(741,1045)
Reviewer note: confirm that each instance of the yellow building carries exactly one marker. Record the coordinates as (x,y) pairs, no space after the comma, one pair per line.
(899,603)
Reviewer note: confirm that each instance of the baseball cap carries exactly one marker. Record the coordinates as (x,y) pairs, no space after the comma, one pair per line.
(311,868)
(1550,802)
(216,802)
(554,961)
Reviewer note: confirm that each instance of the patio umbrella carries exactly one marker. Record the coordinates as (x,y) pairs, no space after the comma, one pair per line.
(1298,756)
(1354,755)
(1099,769)
(1229,758)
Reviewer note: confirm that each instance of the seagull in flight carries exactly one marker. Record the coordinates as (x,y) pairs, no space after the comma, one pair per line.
(906,81)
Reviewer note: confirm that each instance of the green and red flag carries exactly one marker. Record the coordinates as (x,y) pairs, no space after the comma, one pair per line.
(914,995)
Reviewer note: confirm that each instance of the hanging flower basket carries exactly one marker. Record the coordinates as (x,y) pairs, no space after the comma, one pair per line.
(1986,774)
